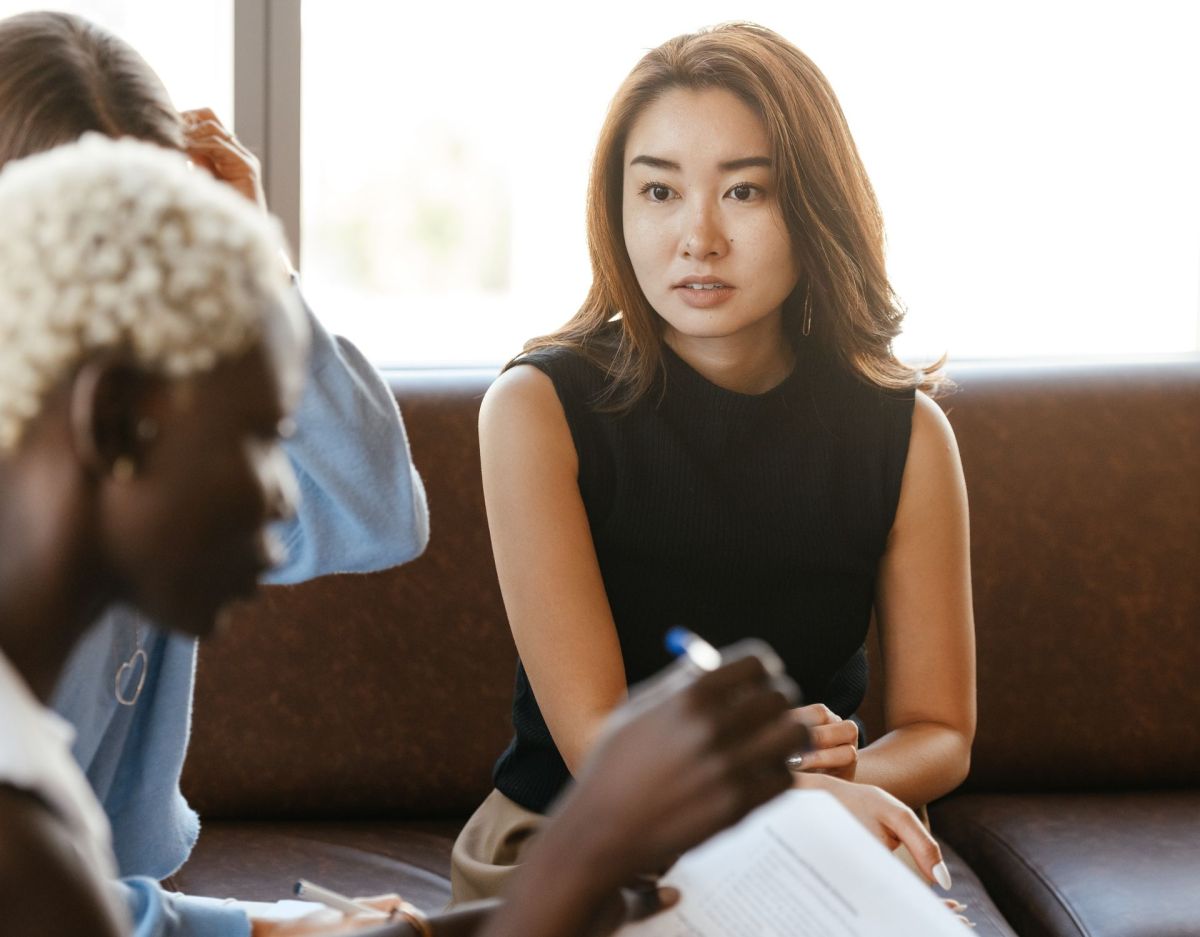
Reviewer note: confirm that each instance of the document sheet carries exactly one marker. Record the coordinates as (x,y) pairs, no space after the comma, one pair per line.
(801,866)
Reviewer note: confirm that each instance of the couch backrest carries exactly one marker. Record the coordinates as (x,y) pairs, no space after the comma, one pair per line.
(1084,486)
(379,695)
(388,695)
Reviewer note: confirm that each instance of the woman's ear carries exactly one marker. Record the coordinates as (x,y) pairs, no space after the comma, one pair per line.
(112,426)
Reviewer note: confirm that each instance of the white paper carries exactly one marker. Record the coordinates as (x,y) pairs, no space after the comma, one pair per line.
(801,866)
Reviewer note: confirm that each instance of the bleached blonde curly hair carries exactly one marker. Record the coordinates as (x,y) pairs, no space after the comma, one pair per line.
(119,245)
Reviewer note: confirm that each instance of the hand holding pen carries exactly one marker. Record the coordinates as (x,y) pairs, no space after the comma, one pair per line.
(692,751)
(688,646)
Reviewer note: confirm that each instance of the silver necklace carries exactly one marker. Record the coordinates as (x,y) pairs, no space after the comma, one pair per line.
(137,662)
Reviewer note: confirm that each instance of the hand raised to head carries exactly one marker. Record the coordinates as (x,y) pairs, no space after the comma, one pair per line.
(213,147)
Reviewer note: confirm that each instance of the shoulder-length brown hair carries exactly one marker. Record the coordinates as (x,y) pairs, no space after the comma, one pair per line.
(61,76)
(824,196)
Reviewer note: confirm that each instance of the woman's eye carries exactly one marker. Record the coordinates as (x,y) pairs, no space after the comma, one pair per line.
(743,193)
(656,192)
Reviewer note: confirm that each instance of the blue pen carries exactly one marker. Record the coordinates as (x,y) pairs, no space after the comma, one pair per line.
(684,643)
(703,656)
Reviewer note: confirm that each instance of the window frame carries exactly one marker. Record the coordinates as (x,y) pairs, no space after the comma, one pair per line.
(267,99)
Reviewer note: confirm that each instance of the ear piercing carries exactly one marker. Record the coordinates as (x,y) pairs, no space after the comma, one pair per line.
(124,468)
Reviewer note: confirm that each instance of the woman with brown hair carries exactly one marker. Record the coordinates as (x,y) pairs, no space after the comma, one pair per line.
(722,438)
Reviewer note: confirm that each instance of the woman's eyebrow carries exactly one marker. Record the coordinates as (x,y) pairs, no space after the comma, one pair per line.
(731,165)
(745,163)
(654,162)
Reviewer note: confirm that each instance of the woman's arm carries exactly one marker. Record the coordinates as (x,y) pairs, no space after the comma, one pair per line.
(362,503)
(546,562)
(926,627)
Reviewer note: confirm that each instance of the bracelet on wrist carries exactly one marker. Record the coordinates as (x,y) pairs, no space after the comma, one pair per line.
(413,915)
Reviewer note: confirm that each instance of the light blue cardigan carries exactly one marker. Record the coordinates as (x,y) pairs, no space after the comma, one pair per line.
(362,509)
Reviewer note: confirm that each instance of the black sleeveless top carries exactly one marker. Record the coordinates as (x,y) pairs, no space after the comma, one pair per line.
(734,515)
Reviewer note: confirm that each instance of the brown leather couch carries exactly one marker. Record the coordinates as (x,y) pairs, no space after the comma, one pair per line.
(344,729)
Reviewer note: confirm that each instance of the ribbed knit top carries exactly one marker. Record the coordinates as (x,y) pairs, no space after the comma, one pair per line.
(735,515)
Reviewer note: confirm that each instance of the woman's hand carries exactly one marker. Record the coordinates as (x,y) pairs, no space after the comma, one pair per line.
(888,820)
(211,146)
(833,742)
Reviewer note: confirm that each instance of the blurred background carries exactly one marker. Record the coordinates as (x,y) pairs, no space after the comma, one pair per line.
(1038,164)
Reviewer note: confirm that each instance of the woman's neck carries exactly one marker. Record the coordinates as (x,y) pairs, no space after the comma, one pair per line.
(750,362)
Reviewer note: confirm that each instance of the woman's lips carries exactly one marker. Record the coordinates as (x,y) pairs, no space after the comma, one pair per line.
(705,298)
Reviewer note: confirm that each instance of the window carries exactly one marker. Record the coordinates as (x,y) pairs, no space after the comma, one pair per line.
(1036,166)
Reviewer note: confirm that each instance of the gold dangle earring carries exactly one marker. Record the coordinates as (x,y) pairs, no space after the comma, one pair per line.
(123,676)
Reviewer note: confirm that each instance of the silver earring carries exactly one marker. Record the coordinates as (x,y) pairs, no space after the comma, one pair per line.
(806,322)
(128,667)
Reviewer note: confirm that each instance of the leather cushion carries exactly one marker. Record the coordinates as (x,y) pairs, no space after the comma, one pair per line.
(1097,865)
(261,861)
(969,890)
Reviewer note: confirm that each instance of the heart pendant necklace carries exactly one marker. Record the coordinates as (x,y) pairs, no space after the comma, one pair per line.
(135,665)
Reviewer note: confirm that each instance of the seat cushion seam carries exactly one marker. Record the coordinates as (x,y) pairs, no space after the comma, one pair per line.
(1036,872)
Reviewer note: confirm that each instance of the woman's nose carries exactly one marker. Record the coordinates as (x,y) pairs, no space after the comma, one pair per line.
(704,239)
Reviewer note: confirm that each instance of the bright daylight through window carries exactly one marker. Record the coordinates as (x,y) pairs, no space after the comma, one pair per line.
(1035,162)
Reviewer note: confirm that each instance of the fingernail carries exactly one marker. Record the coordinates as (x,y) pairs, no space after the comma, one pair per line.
(795,762)
(942,875)
(956,906)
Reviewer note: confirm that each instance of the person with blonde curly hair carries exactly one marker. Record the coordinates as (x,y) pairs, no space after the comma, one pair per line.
(151,348)
(128,687)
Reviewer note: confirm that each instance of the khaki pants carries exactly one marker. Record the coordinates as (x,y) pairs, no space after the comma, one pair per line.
(493,844)
(490,848)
